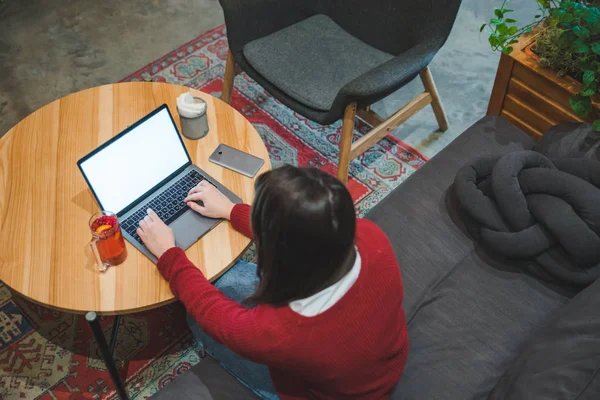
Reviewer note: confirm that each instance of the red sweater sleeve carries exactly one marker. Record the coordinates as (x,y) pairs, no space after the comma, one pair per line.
(248,332)
(240,219)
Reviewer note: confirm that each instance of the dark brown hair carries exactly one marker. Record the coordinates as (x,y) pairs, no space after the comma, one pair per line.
(304,225)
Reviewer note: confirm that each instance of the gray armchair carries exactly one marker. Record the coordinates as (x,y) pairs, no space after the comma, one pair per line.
(332,59)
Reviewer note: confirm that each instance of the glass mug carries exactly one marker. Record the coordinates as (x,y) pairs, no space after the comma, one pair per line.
(108,244)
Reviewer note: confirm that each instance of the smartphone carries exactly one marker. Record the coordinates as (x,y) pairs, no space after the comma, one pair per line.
(236,160)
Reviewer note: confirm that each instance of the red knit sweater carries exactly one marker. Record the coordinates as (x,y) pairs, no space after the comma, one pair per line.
(354,350)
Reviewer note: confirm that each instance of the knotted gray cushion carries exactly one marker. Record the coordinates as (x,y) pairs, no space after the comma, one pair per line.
(522,205)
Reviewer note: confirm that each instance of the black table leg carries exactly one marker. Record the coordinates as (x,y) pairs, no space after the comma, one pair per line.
(113,335)
(107,351)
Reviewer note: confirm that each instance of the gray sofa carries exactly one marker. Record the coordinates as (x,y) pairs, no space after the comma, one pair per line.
(475,321)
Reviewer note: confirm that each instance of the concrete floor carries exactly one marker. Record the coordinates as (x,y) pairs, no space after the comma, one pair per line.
(463,70)
(50,48)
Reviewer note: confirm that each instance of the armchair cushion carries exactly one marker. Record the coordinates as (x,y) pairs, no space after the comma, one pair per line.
(312,60)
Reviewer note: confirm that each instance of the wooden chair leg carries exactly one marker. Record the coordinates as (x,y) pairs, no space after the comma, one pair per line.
(370,117)
(346,142)
(382,127)
(230,69)
(436,103)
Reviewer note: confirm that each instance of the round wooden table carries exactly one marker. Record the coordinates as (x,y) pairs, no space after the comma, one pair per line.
(45,203)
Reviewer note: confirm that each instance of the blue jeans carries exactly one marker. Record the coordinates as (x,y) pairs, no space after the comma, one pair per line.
(237,283)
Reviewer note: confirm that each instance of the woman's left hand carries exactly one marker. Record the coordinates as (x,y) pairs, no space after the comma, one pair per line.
(155,234)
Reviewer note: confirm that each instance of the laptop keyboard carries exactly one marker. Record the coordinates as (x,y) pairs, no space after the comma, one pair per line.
(168,205)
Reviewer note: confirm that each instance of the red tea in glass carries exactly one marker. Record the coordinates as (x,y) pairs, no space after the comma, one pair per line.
(108,244)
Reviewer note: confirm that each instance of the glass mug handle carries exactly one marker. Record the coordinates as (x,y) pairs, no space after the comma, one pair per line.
(102,266)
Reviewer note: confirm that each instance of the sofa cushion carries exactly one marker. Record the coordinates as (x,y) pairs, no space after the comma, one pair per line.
(206,380)
(570,140)
(562,362)
(312,60)
(423,230)
(468,315)
(471,326)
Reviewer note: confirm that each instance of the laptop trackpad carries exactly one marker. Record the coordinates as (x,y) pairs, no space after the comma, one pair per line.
(190,227)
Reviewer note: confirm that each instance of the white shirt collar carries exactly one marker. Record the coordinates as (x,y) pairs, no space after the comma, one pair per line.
(326,298)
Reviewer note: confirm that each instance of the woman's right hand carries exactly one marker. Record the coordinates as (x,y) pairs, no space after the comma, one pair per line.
(216,204)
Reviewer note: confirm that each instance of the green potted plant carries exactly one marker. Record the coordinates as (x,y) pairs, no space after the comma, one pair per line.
(568,43)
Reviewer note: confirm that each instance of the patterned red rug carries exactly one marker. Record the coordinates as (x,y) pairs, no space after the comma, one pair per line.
(46,354)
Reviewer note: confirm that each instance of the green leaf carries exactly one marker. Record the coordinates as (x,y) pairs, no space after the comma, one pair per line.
(581,105)
(482,27)
(596,125)
(566,18)
(558,13)
(591,18)
(537,16)
(543,3)
(528,30)
(510,20)
(503,29)
(495,21)
(596,48)
(494,42)
(506,10)
(512,30)
(583,49)
(514,41)
(508,50)
(585,32)
(578,31)
(564,25)
(588,92)
(498,13)
(567,39)
(580,47)
(588,77)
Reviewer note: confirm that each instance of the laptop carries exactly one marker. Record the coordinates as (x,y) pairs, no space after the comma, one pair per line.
(148,166)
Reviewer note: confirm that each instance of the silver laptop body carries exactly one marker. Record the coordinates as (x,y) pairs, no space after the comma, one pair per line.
(148,166)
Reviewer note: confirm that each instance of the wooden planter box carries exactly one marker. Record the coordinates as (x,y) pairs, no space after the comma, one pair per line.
(531,97)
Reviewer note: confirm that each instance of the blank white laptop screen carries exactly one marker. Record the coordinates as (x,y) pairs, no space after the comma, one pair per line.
(136,162)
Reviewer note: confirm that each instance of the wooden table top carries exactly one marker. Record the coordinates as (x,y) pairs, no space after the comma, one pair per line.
(45,203)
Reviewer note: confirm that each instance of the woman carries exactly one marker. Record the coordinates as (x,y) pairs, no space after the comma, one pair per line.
(327,317)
